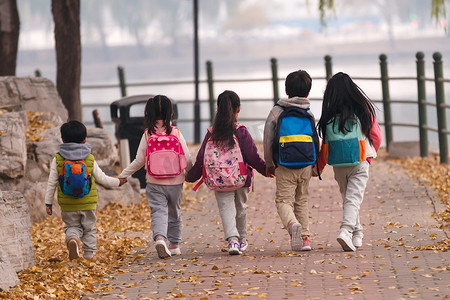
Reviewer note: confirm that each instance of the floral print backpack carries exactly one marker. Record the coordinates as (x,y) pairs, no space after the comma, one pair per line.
(224,169)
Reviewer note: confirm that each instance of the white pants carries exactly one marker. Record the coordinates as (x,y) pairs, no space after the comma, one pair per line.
(233,211)
(352,184)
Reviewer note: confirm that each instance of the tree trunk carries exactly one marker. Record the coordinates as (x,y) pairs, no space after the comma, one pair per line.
(66,15)
(9,37)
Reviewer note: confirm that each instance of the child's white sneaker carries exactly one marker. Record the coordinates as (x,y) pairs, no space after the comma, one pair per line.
(295,230)
(243,244)
(357,240)
(161,249)
(233,247)
(175,251)
(345,240)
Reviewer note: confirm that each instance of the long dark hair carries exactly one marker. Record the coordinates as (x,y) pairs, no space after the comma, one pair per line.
(224,125)
(158,108)
(343,97)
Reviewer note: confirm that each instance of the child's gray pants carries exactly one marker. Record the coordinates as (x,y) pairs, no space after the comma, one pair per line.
(352,184)
(81,224)
(233,211)
(164,202)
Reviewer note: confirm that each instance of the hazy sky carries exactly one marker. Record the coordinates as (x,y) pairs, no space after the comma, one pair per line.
(148,22)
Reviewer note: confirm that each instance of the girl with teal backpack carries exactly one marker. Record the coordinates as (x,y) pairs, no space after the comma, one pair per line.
(351,137)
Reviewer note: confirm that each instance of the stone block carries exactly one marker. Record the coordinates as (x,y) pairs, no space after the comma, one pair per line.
(15,225)
(13,151)
(34,194)
(9,95)
(37,94)
(8,277)
(126,194)
(103,148)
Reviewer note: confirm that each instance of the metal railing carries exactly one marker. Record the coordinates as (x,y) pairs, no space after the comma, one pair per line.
(386,101)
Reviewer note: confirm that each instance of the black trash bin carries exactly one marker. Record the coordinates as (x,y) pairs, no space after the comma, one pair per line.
(128,115)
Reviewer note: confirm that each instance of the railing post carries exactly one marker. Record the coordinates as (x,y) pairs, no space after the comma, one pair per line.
(123,85)
(422,95)
(37,73)
(276,96)
(386,99)
(328,66)
(212,106)
(440,102)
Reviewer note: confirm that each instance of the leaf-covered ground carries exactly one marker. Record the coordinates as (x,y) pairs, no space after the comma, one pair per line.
(121,229)
(433,173)
(437,176)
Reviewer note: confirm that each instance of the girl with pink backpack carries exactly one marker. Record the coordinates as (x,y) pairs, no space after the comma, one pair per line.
(224,163)
(165,155)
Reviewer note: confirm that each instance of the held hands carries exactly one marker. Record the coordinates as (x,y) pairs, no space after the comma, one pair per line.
(122,181)
(270,171)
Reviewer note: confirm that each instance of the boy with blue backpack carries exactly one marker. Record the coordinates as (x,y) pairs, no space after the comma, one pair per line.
(73,173)
(291,146)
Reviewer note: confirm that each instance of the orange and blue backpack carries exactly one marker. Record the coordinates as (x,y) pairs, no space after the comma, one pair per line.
(74,179)
(344,148)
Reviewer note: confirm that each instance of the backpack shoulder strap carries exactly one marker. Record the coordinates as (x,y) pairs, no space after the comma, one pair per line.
(176,131)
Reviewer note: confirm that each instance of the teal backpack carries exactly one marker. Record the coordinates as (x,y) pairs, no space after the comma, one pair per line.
(344,149)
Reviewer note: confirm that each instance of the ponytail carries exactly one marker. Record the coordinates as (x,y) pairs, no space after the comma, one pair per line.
(224,126)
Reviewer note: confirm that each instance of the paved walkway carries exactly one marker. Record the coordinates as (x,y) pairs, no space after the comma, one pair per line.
(397,217)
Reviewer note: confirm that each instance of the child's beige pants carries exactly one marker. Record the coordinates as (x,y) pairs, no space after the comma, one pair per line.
(292,195)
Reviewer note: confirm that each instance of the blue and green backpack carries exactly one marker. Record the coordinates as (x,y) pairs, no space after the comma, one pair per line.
(344,148)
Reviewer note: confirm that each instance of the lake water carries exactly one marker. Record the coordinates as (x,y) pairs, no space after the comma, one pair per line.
(355,66)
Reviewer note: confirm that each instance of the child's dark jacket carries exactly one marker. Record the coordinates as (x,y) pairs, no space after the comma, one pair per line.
(249,154)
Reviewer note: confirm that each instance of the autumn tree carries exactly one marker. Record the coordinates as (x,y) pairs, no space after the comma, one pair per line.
(9,37)
(66,15)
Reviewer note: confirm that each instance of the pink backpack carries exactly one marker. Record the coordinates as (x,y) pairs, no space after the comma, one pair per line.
(224,169)
(165,155)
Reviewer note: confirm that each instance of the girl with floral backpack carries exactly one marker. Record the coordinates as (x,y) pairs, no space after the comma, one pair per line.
(225,164)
